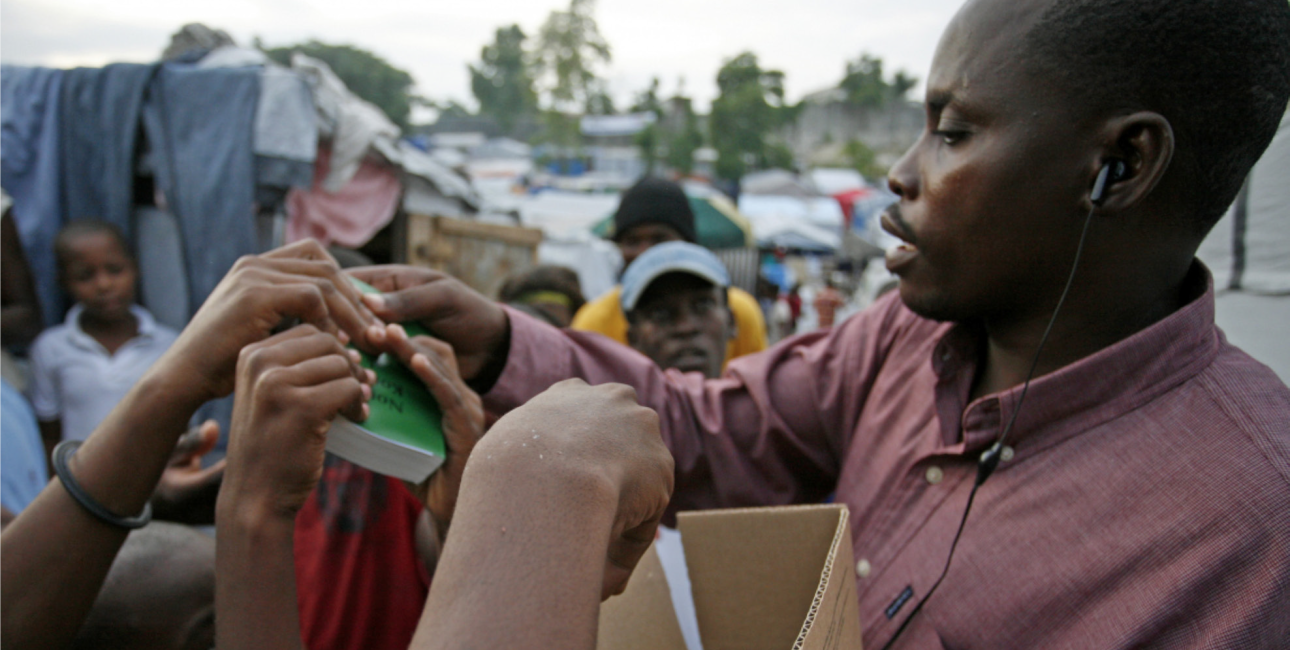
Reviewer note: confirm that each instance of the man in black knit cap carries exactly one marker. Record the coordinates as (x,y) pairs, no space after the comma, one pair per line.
(654,211)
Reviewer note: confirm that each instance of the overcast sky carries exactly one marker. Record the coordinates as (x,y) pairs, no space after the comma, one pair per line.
(810,40)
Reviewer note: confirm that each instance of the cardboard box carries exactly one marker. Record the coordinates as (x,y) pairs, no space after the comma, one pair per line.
(762,578)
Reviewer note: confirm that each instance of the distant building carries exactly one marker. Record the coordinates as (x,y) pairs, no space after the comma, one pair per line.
(827,122)
(610,143)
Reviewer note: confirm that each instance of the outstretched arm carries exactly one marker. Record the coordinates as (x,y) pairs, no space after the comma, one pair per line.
(289,388)
(770,431)
(558,503)
(57,552)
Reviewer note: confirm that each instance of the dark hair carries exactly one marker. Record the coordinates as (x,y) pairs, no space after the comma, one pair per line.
(82,227)
(655,200)
(1218,70)
(558,279)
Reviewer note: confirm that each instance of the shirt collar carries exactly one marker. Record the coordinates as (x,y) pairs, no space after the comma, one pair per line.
(147,326)
(1090,391)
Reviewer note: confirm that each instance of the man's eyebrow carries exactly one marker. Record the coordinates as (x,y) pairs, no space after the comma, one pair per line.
(938,99)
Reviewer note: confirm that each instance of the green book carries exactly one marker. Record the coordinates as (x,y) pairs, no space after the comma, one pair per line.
(403,434)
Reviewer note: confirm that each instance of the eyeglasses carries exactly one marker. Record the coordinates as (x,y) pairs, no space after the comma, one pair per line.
(665,313)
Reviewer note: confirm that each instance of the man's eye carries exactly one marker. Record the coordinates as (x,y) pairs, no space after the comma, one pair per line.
(658,315)
(950,138)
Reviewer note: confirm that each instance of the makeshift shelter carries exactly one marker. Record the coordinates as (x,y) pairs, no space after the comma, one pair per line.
(799,223)
(778,182)
(199,160)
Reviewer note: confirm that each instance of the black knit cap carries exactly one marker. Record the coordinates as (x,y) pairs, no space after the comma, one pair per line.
(655,200)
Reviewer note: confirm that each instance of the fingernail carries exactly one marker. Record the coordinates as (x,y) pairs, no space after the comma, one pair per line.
(367,410)
(374,300)
(375,333)
(371,377)
(420,359)
(398,330)
(367,391)
(343,337)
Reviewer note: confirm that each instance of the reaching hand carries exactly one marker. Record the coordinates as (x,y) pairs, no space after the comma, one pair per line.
(259,294)
(187,492)
(475,327)
(432,360)
(289,388)
(579,434)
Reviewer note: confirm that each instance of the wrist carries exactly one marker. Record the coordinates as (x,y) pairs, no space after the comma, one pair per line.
(494,363)
(243,514)
(521,471)
(179,382)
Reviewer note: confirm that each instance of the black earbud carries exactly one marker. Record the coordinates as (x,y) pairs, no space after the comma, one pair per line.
(1111,172)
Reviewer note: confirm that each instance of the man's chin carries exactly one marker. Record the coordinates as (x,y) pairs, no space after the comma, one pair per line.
(928,304)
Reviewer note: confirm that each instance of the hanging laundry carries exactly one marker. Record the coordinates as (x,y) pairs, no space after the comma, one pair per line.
(29,172)
(349,123)
(199,125)
(98,129)
(286,122)
(349,217)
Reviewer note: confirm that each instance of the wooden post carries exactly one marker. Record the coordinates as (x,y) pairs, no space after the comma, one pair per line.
(482,255)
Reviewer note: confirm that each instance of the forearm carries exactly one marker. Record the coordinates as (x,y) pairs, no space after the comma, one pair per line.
(255,589)
(57,552)
(532,550)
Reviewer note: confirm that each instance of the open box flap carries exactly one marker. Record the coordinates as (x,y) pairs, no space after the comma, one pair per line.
(642,617)
(766,577)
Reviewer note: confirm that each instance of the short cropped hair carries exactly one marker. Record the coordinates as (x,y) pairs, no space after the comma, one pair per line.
(80,228)
(1218,70)
(547,278)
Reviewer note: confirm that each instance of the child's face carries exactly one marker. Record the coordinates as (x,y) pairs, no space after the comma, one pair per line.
(99,275)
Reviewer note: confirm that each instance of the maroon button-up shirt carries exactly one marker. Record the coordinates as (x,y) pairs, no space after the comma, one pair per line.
(1147,502)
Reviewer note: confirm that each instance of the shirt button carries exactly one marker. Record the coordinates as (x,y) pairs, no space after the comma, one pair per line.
(863,569)
(934,475)
(1006,453)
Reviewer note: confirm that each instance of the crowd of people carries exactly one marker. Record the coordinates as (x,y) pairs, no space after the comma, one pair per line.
(1042,437)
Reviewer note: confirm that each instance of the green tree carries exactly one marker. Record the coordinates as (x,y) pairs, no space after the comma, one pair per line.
(650,138)
(569,49)
(749,107)
(865,85)
(598,100)
(684,142)
(366,74)
(863,159)
(503,81)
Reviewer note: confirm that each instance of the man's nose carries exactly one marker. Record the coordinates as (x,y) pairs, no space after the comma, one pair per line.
(687,320)
(902,178)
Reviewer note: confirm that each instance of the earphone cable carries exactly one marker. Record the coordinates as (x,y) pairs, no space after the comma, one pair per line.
(990,458)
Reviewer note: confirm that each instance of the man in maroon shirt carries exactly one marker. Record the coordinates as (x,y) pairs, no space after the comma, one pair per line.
(1143,492)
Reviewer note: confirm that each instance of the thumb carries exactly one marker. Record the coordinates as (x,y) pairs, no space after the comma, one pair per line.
(209,437)
(427,302)
(209,475)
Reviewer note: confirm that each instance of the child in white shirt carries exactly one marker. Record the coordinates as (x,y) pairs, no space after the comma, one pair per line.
(84,367)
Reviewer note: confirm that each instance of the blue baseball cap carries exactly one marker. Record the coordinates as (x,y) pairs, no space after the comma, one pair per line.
(670,257)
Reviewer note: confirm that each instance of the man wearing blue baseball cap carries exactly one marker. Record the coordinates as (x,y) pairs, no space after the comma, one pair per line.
(674,296)
(652,212)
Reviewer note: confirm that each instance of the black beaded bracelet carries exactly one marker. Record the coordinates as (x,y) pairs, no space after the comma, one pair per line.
(61,453)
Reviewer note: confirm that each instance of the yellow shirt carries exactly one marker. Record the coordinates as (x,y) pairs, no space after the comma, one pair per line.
(605,316)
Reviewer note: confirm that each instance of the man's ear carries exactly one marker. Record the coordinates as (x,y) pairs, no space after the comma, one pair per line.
(1144,141)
